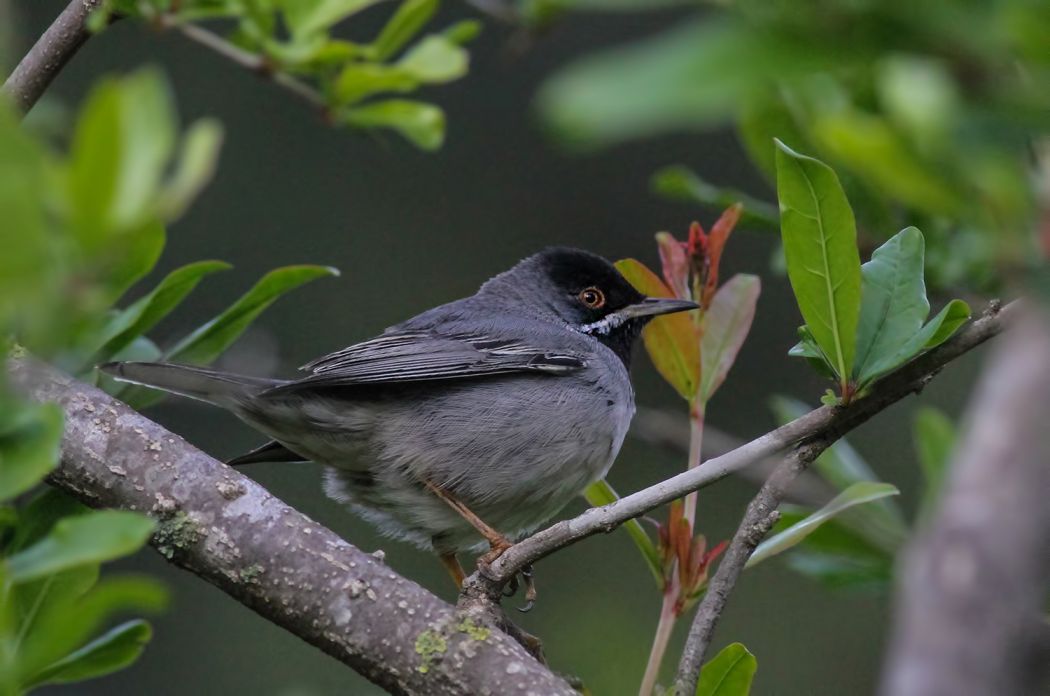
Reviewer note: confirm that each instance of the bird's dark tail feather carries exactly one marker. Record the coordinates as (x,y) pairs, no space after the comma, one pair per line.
(212,386)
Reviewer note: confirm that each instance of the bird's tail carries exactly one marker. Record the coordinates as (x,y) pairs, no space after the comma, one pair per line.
(212,386)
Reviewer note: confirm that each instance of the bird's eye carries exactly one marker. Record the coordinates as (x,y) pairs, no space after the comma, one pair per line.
(592,297)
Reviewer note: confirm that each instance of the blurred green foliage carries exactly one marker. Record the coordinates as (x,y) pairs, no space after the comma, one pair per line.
(84,227)
(293,42)
(931,112)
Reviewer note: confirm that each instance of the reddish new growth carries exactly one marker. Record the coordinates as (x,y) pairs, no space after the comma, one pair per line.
(676,543)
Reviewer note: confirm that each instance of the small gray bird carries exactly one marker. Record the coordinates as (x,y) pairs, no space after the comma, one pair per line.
(468,425)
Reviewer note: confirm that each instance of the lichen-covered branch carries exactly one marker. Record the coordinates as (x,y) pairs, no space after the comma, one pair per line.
(230,531)
(970,614)
(49,54)
(826,424)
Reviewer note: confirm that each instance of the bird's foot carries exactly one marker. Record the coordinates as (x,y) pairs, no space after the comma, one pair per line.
(529,582)
(497,545)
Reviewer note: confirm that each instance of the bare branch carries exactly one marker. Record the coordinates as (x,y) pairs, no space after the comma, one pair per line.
(49,54)
(825,423)
(760,517)
(969,615)
(227,529)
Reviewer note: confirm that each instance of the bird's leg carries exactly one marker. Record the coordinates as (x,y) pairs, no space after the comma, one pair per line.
(453,567)
(497,542)
(530,589)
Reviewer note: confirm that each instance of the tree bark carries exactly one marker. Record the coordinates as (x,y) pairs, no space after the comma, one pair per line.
(970,615)
(230,531)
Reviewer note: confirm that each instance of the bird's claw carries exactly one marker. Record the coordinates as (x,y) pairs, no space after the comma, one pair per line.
(530,589)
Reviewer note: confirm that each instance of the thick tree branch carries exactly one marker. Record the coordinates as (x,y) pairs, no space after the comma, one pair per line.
(972,595)
(822,424)
(227,529)
(49,54)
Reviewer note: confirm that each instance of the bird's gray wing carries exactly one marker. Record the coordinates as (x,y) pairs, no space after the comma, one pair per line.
(415,356)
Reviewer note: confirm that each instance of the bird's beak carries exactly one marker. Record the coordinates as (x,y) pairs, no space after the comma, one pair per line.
(653,306)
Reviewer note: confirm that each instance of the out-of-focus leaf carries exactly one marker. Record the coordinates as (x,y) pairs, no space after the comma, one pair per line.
(920,96)
(405,24)
(39,516)
(63,626)
(893,304)
(209,341)
(935,436)
(677,182)
(881,522)
(122,265)
(729,673)
(836,555)
(857,494)
(462,32)
(726,325)
(421,124)
(144,314)
(30,598)
(760,121)
(820,246)
(306,17)
(672,341)
(123,139)
(93,537)
(435,60)
(114,650)
(601,493)
(29,447)
(359,80)
(197,159)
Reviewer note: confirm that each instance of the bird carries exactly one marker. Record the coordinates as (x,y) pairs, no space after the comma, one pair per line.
(466,427)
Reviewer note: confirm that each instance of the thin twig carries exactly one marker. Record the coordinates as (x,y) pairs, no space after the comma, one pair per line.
(760,517)
(55,47)
(826,422)
(255,63)
(970,612)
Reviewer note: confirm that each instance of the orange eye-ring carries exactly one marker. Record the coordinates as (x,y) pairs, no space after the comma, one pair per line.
(592,297)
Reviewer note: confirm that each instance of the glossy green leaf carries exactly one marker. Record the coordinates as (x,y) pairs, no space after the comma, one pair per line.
(210,340)
(67,624)
(671,341)
(820,247)
(726,325)
(306,17)
(600,493)
(405,24)
(93,537)
(114,650)
(881,522)
(680,183)
(729,673)
(435,60)
(198,157)
(807,348)
(144,314)
(935,436)
(419,123)
(893,304)
(29,448)
(123,139)
(944,325)
(857,494)
(837,555)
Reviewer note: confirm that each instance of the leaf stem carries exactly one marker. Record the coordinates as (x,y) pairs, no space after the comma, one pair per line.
(696,437)
(663,635)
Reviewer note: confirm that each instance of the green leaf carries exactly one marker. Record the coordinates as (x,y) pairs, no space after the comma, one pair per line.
(945,324)
(934,435)
(122,265)
(359,80)
(39,516)
(435,60)
(893,304)
(671,341)
(29,448)
(198,157)
(601,493)
(123,139)
(463,31)
(144,314)
(679,183)
(306,17)
(93,537)
(807,348)
(857,494)
(210,340)
(729,673)
(405,24)
(836,555)
(114,650)
(726,325)
(820,247)
(421,124)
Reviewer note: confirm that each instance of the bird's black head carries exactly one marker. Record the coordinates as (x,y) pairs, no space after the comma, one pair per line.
(584,292)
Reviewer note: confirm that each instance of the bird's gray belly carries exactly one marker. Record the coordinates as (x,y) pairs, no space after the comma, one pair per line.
(513,449)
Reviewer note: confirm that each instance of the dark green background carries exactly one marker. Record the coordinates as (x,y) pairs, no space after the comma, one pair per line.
(411,230)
